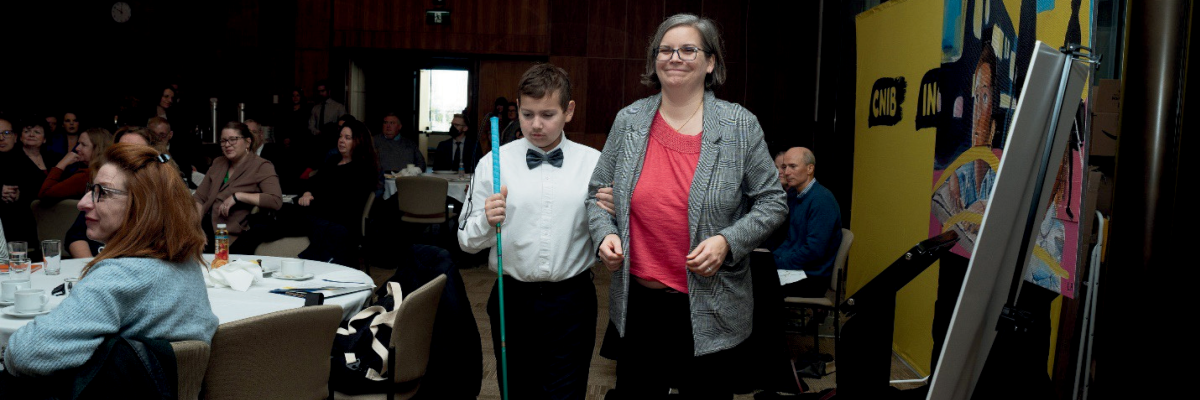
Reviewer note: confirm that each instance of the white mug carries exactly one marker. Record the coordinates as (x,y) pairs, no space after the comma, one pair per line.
(293,267)
(8,289)
(30,300)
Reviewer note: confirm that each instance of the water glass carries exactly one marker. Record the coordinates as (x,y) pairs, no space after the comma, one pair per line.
(18,250)
(52,251)
(18,269)
(69,285)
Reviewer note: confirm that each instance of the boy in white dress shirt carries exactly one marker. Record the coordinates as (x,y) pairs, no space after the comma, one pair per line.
(549,299)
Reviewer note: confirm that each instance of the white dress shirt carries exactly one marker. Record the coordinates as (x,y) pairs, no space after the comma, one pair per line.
(545,230)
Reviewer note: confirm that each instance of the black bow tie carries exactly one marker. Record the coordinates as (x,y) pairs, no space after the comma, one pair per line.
(535,159)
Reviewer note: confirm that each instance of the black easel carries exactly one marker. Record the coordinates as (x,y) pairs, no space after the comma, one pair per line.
(865,357)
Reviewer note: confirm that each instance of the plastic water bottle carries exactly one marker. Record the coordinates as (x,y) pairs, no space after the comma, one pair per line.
(222,242)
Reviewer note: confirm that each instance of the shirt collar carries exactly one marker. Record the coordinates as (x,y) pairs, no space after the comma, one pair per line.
(807,188)
(561,144)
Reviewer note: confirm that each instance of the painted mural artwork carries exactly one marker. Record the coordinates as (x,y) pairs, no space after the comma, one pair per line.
(978,76)
(984,59)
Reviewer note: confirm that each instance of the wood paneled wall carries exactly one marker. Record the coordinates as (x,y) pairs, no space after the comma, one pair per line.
(476,26)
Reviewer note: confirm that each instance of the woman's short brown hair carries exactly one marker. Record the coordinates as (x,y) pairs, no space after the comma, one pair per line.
(162,222)
(711,42)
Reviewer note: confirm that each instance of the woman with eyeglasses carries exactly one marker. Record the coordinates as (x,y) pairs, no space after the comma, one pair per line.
(147,283)
(70,176)
(236,183)
(24,170)
(693,191)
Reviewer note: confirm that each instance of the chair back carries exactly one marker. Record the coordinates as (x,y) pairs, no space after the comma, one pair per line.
(284,247)
(191,361)
(54,218)
(839,263)
(413,331)
(281,355)
(367,211)
(422,199)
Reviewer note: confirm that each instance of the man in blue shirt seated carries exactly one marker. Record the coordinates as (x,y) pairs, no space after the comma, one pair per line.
(814,228)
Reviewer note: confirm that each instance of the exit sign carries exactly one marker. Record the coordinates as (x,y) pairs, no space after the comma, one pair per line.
(437,17)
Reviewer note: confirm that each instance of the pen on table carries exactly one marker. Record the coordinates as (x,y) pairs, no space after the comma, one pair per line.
(331,280)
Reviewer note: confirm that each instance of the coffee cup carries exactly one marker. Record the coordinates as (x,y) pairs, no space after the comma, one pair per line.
(30,300)
(8,289)
(292,268)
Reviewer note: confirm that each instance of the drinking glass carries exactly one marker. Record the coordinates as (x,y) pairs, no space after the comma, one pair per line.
(52,251)
(18,269)
(18,250)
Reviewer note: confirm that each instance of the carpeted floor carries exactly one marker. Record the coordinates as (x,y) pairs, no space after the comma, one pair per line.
(602,377)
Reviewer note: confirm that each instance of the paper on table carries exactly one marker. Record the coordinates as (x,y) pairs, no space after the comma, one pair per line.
(238,275)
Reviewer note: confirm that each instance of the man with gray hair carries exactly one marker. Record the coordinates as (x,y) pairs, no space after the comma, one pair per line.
(814,229)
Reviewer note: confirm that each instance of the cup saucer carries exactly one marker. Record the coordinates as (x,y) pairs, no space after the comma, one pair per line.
(280,275)
(12,311)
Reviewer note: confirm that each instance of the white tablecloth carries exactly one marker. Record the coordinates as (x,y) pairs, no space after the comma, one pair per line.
(457,189)
(228,304)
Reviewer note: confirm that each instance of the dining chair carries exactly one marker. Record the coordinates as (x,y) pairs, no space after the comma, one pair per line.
(191,361)
(284,247)
(412,333)
(832,299)
(422,199)
(54,218)
(281,355)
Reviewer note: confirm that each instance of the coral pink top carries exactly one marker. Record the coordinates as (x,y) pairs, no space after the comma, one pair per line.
(659,239)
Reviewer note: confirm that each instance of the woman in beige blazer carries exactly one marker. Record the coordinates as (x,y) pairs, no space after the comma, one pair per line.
(236,183)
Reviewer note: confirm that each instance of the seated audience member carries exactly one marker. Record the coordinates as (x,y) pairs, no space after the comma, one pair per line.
(24,171)
(337,195)
(166,98)
(184,149)
(78,244)
(148,283)
(133,135)
(779,166)
(499,110)
(256,131)
(511,131)
(51,124)
(69,178)
(395,150)
(8,193)
(236,183)
(64,140)
(462,147)
(8,137)
(814,228)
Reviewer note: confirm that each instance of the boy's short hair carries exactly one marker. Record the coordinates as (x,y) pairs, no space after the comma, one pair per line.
(539,80)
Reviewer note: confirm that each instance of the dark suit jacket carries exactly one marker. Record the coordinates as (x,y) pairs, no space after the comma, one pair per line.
(444,158)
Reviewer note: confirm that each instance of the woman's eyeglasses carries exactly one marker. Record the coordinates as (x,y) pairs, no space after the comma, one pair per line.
(686,53)
(230,141)
(99,192)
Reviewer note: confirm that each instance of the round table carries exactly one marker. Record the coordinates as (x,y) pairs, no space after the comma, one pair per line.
(228,304)
(457,189)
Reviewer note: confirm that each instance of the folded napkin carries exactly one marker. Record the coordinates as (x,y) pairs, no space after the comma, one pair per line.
(238,275)
(411,170)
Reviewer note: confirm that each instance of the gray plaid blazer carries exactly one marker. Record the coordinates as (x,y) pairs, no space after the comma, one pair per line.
(735,193)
